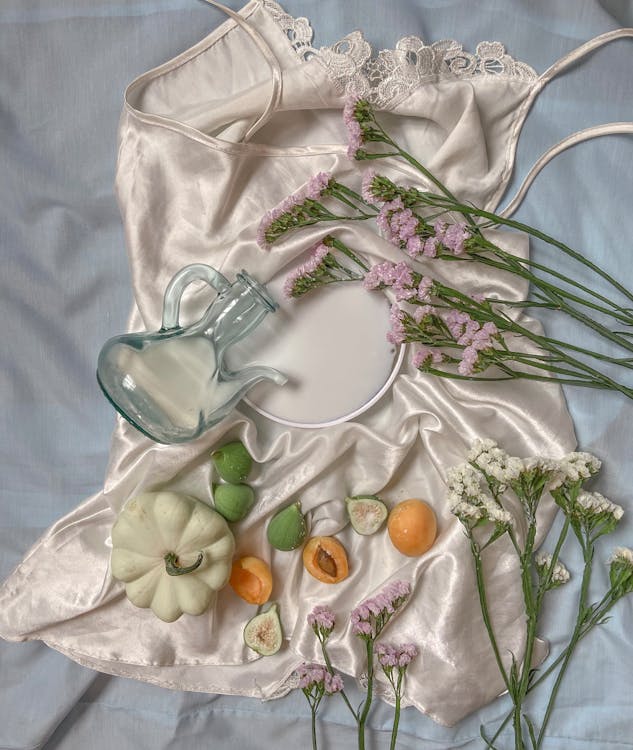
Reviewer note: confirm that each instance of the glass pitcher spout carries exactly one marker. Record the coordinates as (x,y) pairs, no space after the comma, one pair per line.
(172,384)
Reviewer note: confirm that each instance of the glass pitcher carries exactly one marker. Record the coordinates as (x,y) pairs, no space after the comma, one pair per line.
(172,384)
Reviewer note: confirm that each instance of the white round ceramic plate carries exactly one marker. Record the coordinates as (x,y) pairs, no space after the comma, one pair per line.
(332,346)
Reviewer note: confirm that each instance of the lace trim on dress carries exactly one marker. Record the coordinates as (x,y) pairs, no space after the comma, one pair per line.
(394,73)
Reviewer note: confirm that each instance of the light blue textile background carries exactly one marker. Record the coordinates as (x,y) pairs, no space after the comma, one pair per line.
(64,290)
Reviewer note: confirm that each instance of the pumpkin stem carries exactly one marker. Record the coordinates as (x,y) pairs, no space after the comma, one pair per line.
(174,569)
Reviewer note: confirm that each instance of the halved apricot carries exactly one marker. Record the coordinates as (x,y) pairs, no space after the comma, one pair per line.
(412,527)
(324,557)
(251,579)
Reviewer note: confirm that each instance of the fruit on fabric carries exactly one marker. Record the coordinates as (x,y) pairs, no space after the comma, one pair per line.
(173,553)
(287,528)
(232,462)
(324,557)
(263,632)
(233,501)
(251,579)
(367,513)
(412,527)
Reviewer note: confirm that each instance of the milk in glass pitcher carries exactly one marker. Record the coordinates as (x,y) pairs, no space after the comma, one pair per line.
(172,384)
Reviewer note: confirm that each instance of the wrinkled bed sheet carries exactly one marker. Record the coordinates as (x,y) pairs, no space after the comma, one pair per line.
(65,289)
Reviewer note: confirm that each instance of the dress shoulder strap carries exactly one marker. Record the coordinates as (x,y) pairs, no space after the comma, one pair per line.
(271,59)
(579,137)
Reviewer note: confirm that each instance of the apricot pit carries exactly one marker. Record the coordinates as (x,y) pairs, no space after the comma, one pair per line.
(324,557)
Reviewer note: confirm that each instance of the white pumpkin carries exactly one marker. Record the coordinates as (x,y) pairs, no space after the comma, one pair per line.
(173,552)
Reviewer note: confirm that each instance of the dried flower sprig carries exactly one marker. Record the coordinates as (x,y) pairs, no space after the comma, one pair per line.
(306,207)
(316,681)
(367,620)
(322,268)
(394,661)
(423,224)
(478,493)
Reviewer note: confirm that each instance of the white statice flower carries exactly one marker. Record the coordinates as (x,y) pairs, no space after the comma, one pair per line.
(464,481)
(479,447)
(496,513)
(575,467)
(467,513)
(542,464)
(622,555)
(621,571)
(560,574)
(495,462)
(595,504)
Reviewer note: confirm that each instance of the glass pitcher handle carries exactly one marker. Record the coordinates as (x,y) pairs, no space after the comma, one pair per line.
(176,287)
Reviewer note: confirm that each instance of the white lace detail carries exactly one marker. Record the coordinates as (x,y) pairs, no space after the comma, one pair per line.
(298,30)
(394,73)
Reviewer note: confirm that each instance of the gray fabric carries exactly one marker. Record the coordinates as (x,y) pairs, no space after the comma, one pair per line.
(65,289)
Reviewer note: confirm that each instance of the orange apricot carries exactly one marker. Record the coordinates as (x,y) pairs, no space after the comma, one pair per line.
(251,579)
(412,527)
(324,557)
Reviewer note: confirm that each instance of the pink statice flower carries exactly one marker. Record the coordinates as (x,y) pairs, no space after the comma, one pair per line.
(425,289)
(373,614)
(399,225)
(415,246)
(397,333)
(322,621)
(456,322)
(299,281)
(292,210)
(310,675)
(317,185)
(420,312)
(469,362)
(454,237)
(354,130)
(399,657)
(430,247)
(333,683)
(398,276)
(317,678)
(366,187)
(424,357)
(379,275)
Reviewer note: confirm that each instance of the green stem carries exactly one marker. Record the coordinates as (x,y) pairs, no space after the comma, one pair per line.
(314,733)
(603,608)
(483,602)
(343,248)
(368,698)
(500,220)
(554,294)
(573,642)
(396,715)
(330,669)
(174,569)
(623,314)
(525,559)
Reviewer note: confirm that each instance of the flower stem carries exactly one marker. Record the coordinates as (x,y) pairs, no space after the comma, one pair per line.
(396,715)
(368,698)
(314,734)
(330,669)
(573,642)
(483,601)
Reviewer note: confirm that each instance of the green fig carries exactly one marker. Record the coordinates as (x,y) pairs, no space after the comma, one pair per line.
(367,513)
(233,501)
(263,632)
(287,528)
(232,462)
